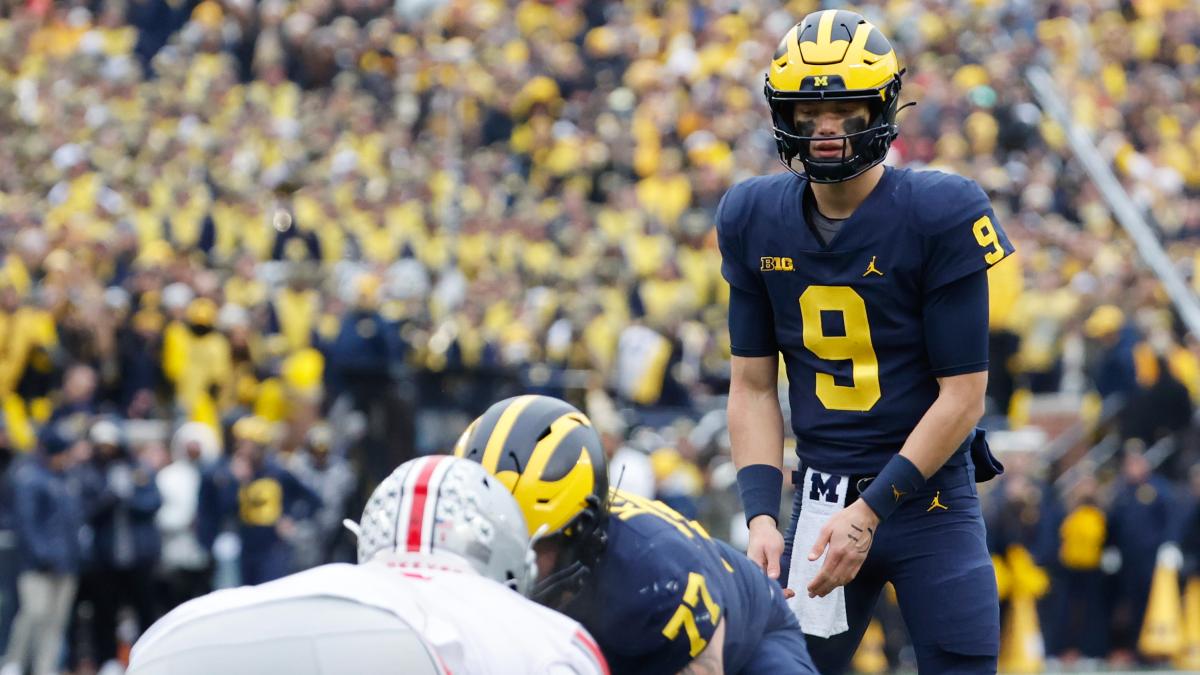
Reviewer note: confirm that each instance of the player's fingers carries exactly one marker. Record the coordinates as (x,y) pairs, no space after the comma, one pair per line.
(848,567)
(788,594)
(823,588)
(775,546)
(834,573)
(816,587)
(773,566)
(823,582)
(820,544)
(773,550)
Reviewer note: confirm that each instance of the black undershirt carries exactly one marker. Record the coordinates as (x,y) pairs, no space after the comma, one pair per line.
(824,228)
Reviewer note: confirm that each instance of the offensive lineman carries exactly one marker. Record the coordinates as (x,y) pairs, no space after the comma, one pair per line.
(659,595)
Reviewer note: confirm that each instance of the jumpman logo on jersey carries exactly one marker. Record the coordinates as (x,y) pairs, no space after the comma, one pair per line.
(937,503)
(871,268)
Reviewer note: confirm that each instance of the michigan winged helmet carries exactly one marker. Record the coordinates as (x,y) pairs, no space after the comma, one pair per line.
(834,55)
(550,457)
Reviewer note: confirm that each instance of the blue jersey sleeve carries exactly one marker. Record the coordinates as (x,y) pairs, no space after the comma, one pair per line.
(960,232)
(731,216)
(751,324)
(751,319)
(956,326)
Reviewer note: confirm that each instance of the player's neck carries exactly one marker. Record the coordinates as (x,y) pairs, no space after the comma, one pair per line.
(840,200)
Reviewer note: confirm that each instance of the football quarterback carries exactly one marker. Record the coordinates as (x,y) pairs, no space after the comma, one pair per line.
(871,282)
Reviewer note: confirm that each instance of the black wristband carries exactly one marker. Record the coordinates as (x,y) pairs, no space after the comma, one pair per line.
(761,488)
(900,478)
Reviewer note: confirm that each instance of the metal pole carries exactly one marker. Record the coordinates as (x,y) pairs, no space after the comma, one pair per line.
(1122,207)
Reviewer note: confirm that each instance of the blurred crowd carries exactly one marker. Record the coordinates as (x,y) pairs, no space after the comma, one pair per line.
(1087,547)
(255,254)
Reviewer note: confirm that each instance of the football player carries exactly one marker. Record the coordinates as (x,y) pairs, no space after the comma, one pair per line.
(872,283)
(444,555)
(659,595)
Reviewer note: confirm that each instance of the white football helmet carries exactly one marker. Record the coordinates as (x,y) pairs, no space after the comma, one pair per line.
(444,504)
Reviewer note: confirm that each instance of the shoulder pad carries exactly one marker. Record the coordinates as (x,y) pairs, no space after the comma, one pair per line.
(739,201)
(942,200)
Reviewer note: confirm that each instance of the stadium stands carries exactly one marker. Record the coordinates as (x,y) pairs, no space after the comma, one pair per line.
(359,226)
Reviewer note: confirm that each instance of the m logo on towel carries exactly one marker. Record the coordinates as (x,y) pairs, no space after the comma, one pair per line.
(824,485)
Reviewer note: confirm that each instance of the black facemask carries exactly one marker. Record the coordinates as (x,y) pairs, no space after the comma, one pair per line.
(578,553)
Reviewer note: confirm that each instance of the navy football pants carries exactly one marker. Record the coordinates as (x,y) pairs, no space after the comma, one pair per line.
(938,562)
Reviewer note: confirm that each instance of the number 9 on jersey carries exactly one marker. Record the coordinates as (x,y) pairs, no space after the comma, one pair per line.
(854,346)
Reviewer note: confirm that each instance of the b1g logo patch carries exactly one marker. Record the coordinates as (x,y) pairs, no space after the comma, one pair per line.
(776,264)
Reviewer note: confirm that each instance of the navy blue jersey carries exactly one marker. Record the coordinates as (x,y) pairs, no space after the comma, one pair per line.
(661,588)
(849,317)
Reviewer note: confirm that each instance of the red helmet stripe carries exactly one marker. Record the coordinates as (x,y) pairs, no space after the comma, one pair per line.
(418,520)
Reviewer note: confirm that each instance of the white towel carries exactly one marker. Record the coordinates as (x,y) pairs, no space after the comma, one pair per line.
(823,495)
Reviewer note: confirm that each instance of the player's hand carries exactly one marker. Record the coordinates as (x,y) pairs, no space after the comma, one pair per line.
(848,536)
(766,545)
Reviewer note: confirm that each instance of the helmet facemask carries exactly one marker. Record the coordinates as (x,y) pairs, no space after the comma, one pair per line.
(867,144)
(579,547)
